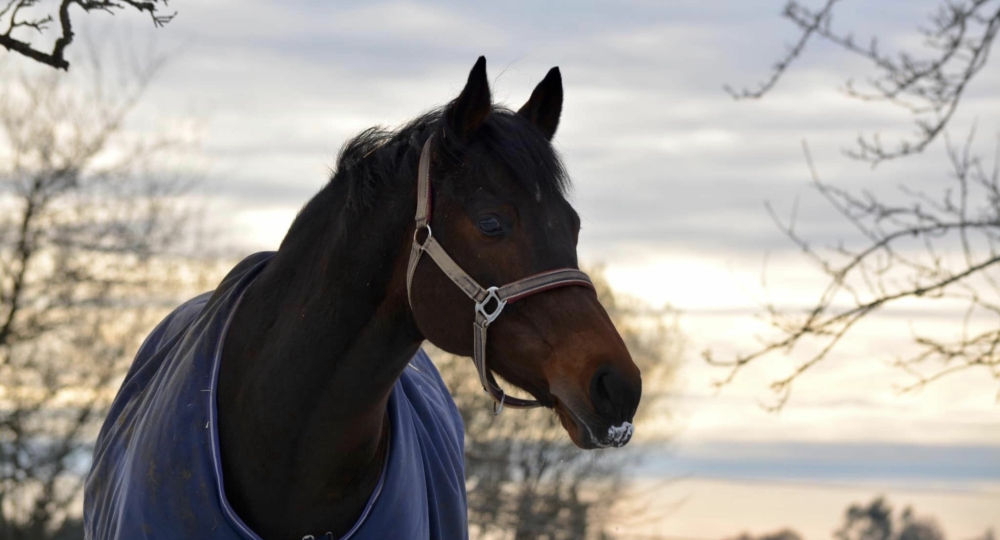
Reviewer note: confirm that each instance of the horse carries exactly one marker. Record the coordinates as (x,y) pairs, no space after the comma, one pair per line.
(295,401)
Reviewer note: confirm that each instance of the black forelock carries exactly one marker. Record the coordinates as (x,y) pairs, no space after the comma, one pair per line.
(372,159)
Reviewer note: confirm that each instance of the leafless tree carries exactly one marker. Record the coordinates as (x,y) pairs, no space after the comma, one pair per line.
(875,521)
(930,248)
(85,210)
(783,534)
(20,18)
(525,478)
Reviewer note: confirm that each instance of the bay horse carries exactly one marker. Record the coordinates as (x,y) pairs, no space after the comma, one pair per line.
(321,416)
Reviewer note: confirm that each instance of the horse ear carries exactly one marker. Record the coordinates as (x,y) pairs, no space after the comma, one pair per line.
(473,106)
(545,104)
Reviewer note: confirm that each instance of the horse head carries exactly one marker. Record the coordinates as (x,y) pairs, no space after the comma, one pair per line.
(500,211)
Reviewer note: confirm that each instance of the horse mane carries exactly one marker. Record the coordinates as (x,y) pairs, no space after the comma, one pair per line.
(372,158)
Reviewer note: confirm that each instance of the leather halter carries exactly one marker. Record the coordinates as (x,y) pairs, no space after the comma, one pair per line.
(483,297)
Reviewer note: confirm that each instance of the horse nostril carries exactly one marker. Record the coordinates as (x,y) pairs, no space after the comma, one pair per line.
(611,396)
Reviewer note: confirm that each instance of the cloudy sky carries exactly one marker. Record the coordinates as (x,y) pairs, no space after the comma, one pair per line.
(670,178)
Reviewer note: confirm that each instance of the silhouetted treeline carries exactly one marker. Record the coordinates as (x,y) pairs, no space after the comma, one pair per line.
(876,521)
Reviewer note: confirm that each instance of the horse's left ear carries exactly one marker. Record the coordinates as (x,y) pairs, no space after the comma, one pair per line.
(545,104)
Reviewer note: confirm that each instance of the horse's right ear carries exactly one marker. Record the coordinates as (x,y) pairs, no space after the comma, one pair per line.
(473,106)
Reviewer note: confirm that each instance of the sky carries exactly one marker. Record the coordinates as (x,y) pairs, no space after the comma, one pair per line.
(670,176)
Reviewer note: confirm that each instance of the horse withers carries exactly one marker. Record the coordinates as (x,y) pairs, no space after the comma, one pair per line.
(294,401)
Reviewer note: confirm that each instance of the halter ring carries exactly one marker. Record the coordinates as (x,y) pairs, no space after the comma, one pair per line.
(491,294)
(417,231)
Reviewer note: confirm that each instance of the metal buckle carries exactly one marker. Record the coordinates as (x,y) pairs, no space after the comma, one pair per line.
(491,294)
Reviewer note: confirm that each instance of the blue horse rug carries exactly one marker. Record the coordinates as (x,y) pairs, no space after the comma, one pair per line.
(157,473)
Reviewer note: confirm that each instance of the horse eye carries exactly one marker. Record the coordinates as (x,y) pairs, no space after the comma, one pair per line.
(490,226)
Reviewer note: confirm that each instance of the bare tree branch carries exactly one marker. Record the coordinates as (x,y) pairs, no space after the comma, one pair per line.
(810,23)
(901,261)
(57,57)
(960,38)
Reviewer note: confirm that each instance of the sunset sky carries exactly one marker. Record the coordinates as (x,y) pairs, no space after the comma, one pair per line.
(670,177)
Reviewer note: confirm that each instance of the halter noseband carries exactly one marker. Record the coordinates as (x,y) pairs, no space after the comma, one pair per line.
(483,297)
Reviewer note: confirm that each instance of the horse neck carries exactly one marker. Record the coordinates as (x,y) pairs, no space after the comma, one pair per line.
(317,344)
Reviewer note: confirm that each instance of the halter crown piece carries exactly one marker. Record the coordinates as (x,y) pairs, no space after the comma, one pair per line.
(489,301)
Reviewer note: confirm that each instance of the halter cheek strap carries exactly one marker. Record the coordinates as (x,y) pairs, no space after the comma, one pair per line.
(489,302)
